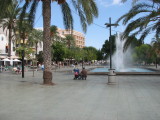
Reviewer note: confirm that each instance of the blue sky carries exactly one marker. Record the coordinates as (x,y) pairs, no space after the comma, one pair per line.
(96,33)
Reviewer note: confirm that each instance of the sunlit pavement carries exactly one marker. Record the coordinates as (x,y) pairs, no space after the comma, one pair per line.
(131,98)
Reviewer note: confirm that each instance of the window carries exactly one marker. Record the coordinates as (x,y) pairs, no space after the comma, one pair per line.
(6,48)
(2,38)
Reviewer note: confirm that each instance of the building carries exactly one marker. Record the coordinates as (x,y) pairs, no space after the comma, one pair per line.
(79,41)
(4,44)
(79,37)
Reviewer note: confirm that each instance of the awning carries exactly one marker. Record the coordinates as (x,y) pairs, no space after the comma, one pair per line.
(6,59)
(16,60)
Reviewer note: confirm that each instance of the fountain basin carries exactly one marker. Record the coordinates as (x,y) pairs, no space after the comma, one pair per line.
(128,71)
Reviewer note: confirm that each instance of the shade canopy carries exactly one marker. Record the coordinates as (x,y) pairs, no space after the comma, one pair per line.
(5,59)
(16,60)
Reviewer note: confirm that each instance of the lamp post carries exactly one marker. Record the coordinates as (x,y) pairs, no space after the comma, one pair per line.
(110,41)
(23,61)
(23,53)
(111,75)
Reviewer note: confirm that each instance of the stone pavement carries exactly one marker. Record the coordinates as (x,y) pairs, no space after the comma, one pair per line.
(132,98)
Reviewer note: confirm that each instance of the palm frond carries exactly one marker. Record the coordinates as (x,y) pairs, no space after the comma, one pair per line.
(23,12)
(83,20)
(67,16)
(128,41)
(145,33)
(94,8)
(32,12)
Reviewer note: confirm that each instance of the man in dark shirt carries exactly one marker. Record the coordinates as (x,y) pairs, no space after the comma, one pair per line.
(84,73)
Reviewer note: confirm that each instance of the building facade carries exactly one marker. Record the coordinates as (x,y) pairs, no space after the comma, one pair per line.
(79,37)
(4,44)
(79,41)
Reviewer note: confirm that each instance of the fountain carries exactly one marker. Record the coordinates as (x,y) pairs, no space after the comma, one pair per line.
(122,62)
(121,59)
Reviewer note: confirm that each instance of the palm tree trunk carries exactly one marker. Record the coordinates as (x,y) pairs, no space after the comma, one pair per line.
(47,74)
(9,44)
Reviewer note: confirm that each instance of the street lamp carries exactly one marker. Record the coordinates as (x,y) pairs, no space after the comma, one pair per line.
(111,75)
(110,41)
(23,54)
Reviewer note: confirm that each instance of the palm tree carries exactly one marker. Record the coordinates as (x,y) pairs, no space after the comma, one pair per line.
(86,9)
(54,34)
(156,46)
(35,38)
(53,29)
(8,21)
(143,25)
(70,40)
(4,5)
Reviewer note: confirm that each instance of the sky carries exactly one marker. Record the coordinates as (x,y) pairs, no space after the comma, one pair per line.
(97,32)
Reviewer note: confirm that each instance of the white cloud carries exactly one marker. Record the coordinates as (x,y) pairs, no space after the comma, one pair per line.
(116,2)
(109,3)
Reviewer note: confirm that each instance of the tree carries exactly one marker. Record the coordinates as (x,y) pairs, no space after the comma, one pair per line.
(156,45)
(35,38)
(156,48)
(78,53)
(142,25)
(143,53)
(70,40)
(54,34)
(58,51)
(28,51)
(40,57)
(8,21)
(90,53)
(4,4)
(87,10)
(106,47)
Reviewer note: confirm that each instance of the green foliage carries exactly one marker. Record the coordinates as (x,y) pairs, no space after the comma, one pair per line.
(70,40)
(106,47)
(27,51)
(87,11)
(133,42)
(144,53)
(77,53)
(156,46)
(8,20)
(40,57)
(147,21)
(61,52)
(35,37)
(58,51)
(90,53)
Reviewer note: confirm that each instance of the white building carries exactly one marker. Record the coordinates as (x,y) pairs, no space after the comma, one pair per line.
(79,37)
(4,44)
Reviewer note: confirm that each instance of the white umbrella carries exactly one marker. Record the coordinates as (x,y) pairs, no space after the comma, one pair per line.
(5,59)
(16,60)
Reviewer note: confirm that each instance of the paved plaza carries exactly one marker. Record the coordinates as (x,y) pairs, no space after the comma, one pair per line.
(133,97)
